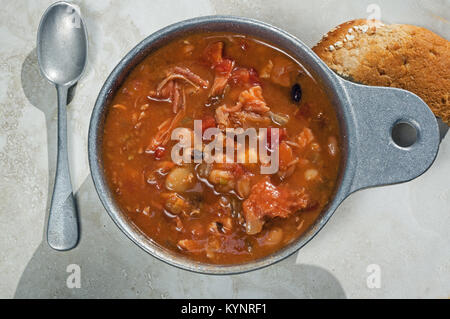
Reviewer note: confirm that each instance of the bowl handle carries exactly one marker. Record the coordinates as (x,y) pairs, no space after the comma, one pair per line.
(387,120)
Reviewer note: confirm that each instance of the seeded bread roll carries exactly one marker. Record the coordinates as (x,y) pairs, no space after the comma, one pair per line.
(402,56)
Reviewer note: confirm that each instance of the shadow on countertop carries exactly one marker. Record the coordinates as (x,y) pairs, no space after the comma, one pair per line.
(114,267)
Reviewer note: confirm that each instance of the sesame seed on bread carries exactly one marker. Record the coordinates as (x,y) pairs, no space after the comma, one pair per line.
(397,55)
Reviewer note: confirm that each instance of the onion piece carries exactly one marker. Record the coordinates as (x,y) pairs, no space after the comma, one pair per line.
(279,119)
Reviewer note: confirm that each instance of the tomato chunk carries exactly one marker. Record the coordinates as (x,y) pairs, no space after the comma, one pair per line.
(269,201)
(224,67)
(208,122)
(244,76)
(279,137)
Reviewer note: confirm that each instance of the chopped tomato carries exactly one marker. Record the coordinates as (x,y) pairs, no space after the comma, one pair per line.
(285,155)
(221,66)
(280,136)
(242,76)
(208,122)
(224,67)
(238,170)
(253,77)
(159,152)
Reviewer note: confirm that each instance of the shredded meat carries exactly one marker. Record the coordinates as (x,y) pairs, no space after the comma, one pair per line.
(214,53)
(245,77)
(305,137)
(162,137)
(177,95)
(268,201)
(222,116)
(170,89)
(286,156)
(221,78)
(252,100)
(223,67)
(165,91)
(281,71)
(250,107)
(191,76)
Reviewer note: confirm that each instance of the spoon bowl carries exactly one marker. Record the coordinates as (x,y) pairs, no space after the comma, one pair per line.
(62,44)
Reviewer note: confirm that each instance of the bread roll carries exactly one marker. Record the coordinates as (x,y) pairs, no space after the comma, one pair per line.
(397,55)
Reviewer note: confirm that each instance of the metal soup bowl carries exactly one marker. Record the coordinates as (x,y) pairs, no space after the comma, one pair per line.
(367,117)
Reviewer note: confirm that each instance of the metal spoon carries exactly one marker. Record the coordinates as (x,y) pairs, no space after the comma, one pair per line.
(62,56)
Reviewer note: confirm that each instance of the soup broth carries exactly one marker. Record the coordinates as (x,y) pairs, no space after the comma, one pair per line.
(221,213)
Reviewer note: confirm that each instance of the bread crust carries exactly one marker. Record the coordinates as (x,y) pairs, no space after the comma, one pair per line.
(398,55)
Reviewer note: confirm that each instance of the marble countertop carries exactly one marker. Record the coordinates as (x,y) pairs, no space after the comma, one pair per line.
(400,234)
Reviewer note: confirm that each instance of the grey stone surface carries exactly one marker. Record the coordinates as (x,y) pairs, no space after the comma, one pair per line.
(403,229)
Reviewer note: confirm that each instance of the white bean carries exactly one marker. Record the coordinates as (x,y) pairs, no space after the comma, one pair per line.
(180,179)
(220,177)
(311,174)
(274,237)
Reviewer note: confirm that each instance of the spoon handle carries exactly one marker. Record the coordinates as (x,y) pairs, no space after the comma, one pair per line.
(62,231)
